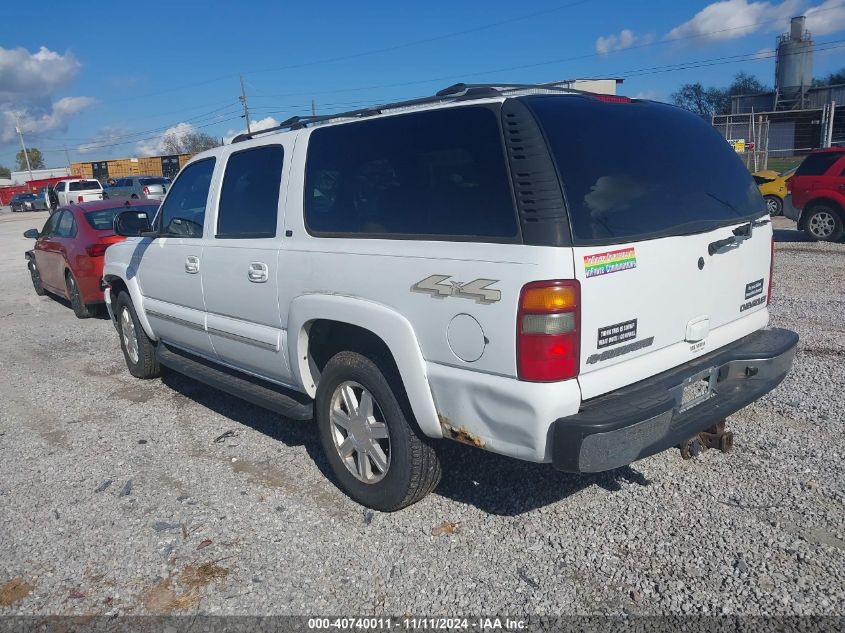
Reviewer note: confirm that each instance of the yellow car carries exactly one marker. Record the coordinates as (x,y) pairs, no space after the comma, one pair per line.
(772,186)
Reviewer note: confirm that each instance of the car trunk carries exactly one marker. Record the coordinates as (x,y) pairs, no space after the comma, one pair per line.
(670,238)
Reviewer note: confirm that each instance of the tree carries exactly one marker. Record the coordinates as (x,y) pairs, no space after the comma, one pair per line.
(188,143)
(696,98)
(5,172)
(832,79)
(36,160)
(709,101)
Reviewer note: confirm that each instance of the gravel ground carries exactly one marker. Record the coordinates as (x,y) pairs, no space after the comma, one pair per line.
(115,497)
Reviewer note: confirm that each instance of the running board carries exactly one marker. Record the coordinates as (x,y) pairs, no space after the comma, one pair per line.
(291,404)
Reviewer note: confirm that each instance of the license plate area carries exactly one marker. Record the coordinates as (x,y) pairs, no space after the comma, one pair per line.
(697,389)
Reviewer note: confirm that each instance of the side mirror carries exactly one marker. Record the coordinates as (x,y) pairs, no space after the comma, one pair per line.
(132,223)
(31,234)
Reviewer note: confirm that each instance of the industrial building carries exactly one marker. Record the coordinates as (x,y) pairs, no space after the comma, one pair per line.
(167,166)
(796,117)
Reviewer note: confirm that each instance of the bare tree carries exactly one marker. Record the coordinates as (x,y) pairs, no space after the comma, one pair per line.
(188,143)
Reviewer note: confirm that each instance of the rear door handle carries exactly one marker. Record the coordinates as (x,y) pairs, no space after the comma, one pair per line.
(192,264)
(257,272)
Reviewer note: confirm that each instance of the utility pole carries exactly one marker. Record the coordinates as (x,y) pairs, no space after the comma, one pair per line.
(313,108)
(23,145)
(246,108)
(67,157)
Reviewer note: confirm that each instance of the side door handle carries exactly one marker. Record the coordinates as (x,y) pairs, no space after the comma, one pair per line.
(257,272)
(192,264)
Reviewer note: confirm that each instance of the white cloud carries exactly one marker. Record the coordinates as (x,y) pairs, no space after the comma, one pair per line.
(106,136)
(28,82)
(34,74)
(650,95)
(610,43)
(826,18)
(155,146)
(730,19)
(261,124)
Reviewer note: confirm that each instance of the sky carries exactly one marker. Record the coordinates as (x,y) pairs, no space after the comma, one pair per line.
(112,81)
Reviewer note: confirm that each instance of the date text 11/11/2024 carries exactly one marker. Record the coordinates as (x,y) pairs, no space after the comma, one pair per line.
(418,624)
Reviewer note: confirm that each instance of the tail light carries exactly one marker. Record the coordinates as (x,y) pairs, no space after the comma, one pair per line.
(547,331)
(146,191)
(771,272)
(96,250)
(81,199)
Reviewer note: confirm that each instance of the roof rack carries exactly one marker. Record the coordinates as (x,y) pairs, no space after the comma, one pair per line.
(456,92)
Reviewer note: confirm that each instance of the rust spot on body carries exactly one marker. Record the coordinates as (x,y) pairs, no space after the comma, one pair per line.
(459,433)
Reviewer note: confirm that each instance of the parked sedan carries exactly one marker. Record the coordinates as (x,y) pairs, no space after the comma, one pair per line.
(67,259)
(19,200)
(150,187)
(40,201)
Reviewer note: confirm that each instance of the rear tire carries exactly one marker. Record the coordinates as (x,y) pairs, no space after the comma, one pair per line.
(774,205)
(37,284)
(824,222)
(374,446)
(79,308)
(138,350)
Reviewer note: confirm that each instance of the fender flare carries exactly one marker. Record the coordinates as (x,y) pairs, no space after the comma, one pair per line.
(124,273)
(390,326)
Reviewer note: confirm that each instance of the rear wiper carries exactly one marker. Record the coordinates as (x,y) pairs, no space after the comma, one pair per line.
(740,234)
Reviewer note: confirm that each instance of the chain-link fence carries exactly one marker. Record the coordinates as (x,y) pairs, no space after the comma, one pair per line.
(759,137)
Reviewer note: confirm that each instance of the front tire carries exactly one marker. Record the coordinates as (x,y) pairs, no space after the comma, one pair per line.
(374,446)
(79,308)
(138,349)
(37,284)
(774,205)
(824,223)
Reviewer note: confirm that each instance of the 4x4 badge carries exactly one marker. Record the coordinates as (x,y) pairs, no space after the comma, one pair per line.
(478,289)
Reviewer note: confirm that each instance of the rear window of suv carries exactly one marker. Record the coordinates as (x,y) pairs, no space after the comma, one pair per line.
(818,164)
(438,175)
(639,170)
(103,220)
(84,185)
(154,181)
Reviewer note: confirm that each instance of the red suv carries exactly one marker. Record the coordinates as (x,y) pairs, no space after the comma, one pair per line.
(818,190)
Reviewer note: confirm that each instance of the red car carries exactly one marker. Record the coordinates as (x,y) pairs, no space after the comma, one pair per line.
(818,190)
(68,256)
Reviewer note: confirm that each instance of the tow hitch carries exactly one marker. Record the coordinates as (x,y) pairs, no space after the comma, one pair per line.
(714,437)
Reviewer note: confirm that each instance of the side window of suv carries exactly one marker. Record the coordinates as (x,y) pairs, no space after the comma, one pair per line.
(249,200)
(60,186)
(438,175)
(183,213)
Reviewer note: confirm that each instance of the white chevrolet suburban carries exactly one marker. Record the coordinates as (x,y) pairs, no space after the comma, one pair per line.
(536,272)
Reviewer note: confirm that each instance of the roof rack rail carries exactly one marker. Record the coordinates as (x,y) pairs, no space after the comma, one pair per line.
(455,92)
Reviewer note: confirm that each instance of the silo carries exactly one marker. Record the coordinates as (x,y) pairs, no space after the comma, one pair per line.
(794,66)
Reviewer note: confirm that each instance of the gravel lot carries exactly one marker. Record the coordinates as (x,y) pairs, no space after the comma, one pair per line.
(115,497)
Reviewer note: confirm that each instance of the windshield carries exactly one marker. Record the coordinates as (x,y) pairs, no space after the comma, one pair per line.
(103,220)
(640,170)
(84,185)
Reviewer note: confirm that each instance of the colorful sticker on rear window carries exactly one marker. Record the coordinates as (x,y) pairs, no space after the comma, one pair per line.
(610,262)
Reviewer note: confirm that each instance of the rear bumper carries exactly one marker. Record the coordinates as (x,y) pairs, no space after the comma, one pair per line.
(647,417)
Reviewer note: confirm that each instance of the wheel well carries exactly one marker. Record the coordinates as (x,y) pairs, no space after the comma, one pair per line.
(117,285)
(326,338)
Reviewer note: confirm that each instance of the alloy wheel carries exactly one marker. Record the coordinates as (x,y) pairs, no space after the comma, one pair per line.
(130,337)
(360,433)
(822,224)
